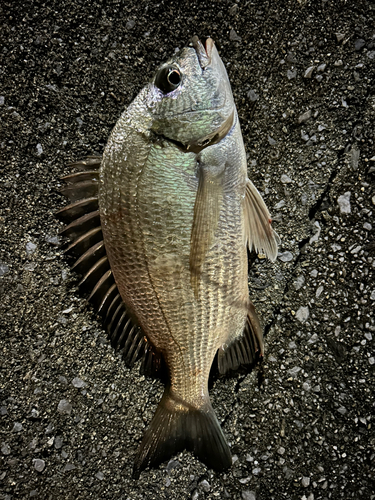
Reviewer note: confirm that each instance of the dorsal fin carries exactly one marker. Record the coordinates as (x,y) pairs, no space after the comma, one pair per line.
(87,246)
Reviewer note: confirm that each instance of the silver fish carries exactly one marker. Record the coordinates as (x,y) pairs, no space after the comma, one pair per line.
(162,224)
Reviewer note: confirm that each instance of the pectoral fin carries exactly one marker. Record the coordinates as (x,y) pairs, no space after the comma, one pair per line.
(258,230)
(206,216)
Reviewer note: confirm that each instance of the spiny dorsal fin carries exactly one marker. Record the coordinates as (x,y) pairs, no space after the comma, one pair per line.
(87,175)
(77,209)
(79,190)
(89,163)
(87,246)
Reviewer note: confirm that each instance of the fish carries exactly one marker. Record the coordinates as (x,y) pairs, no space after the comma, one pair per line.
(160,227)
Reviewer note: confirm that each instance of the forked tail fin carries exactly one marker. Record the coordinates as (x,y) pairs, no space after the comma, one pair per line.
(177,426)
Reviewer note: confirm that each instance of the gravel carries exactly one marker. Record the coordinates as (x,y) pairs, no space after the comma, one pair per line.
(300,425)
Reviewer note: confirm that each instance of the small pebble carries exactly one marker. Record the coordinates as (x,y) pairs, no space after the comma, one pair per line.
(58,442)
(195,495)
(252,95)
(17,427)
(54,240)
(30,247)
(344,203)
(317,232)
(285,256)
(359,44)
(302,314)
(293,371)
(304,136)
(248,495)
(5,449)
(234,37)
(305,481)
(271,141)
(299,282)
(64,407)
(291,73)
(308,73)
(39,464)
(4,269)
(280,204)
(173,464)
(204,486)
(305,116)
(354,158)
(233,10)
(313,339)
(78,383)
(285,179)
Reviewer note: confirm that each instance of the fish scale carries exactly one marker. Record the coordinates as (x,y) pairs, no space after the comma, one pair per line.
(168,265)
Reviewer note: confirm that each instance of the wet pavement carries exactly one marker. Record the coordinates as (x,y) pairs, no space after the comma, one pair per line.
(301,426)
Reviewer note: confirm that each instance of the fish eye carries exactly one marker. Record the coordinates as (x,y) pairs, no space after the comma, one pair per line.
(168,79)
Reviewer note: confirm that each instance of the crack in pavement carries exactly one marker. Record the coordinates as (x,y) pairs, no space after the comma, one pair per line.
(302,245)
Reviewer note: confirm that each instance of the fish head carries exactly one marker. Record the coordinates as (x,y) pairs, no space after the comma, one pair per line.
(190,98)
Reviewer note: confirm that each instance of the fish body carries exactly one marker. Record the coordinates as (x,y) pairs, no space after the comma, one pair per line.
(177,214)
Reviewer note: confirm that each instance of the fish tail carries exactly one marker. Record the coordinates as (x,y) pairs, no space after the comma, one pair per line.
(177,426)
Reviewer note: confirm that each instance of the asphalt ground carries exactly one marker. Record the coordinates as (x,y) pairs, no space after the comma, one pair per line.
(301,425)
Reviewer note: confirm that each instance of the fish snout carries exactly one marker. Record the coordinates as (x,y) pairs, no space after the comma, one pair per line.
(204,52)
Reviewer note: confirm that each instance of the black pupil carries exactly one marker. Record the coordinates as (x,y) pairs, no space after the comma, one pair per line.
(174,77)
(168,79)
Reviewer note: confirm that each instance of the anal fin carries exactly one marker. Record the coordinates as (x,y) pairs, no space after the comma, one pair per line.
(243,351)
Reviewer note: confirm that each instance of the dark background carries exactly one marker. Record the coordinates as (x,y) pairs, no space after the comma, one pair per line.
(71,414)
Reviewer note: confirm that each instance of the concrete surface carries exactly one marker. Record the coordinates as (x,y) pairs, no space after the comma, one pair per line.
(71,414)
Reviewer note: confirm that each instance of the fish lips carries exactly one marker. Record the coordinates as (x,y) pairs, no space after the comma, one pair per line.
(204,53)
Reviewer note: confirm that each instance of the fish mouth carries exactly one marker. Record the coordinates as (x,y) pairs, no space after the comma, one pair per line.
(204,52)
